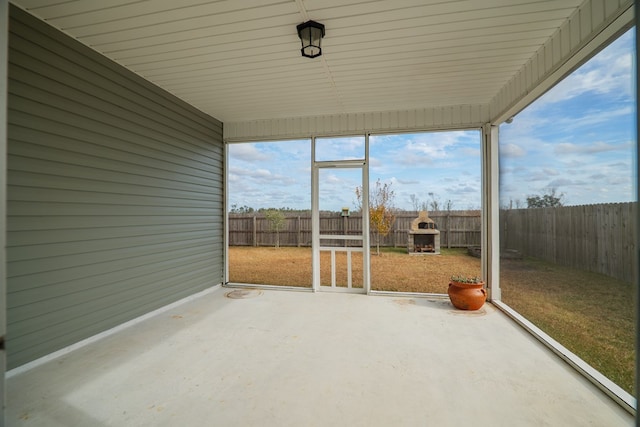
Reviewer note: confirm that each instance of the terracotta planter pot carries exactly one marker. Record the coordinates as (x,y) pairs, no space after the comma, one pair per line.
(467,296)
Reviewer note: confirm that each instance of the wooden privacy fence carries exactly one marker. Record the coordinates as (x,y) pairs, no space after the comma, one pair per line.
(599,238)
(457,229)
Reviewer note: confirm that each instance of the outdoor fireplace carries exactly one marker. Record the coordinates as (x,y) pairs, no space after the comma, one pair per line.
(424,237)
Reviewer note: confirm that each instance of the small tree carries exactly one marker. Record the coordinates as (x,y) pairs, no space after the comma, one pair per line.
(241,209)
(417,204)
(514,204)
(435,205)
(276,222)
(381,210)
(550,200)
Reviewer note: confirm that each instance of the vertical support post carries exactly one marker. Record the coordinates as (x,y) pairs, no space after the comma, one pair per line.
(490,258)
(4,58)
(299,233)
(333,268)
(225,185)
(637,266)
(366,245)
(315,220)
(349,270)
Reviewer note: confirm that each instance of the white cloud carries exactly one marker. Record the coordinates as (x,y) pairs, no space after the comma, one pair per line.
(609,72)
(564,182)
(597,176)
(594,117)
(260,175)
(332,179)
(591,148)
(620,165)
(432,150)
(511,150)
(397,181)
(573,163)
(537,176)
(340,148)
(463,189)
(471,152)
(433,144)
(247,153)
(375,163)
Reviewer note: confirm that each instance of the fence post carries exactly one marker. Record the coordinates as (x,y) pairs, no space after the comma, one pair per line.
(299,231)
(344,228)
(394,232)
(255,232)
(449,230)
(504,238)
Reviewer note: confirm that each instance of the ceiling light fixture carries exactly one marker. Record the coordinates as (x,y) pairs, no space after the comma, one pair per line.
(311,34)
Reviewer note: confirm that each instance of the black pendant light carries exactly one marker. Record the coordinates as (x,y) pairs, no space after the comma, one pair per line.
(311,34)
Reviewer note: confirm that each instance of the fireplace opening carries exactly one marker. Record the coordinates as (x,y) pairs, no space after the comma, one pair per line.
(427,226)
(424,242)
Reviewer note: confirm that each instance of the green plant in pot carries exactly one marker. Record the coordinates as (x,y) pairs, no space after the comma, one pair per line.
(467,292)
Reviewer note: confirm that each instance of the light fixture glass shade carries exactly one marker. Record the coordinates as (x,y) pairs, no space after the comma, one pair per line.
(311,34)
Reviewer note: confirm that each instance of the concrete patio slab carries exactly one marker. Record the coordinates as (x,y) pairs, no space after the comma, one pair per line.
(283,358)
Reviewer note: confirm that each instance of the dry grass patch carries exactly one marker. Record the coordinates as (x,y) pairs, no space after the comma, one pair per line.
(591,314)
(270,266)
(393,270)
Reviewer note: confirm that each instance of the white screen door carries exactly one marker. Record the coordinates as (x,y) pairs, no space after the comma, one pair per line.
(340,241)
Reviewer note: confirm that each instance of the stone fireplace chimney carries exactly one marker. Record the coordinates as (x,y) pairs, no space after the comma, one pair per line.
(423,236)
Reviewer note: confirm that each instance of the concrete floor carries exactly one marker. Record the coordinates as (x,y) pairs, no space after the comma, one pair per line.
(281,358)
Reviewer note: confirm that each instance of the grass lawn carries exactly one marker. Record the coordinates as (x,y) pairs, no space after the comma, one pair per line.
(590,314)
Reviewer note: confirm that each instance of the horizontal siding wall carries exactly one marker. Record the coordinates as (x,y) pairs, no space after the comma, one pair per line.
(115,194)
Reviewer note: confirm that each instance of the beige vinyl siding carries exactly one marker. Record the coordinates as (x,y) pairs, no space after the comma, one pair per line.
(115,194)
(419,120)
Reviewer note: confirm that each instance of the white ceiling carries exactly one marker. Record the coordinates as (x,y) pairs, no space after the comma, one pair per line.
(239,60)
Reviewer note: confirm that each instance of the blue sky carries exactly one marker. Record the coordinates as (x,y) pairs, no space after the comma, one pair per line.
(578,138)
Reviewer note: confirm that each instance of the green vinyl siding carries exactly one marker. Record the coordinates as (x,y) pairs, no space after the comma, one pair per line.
(115,194)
